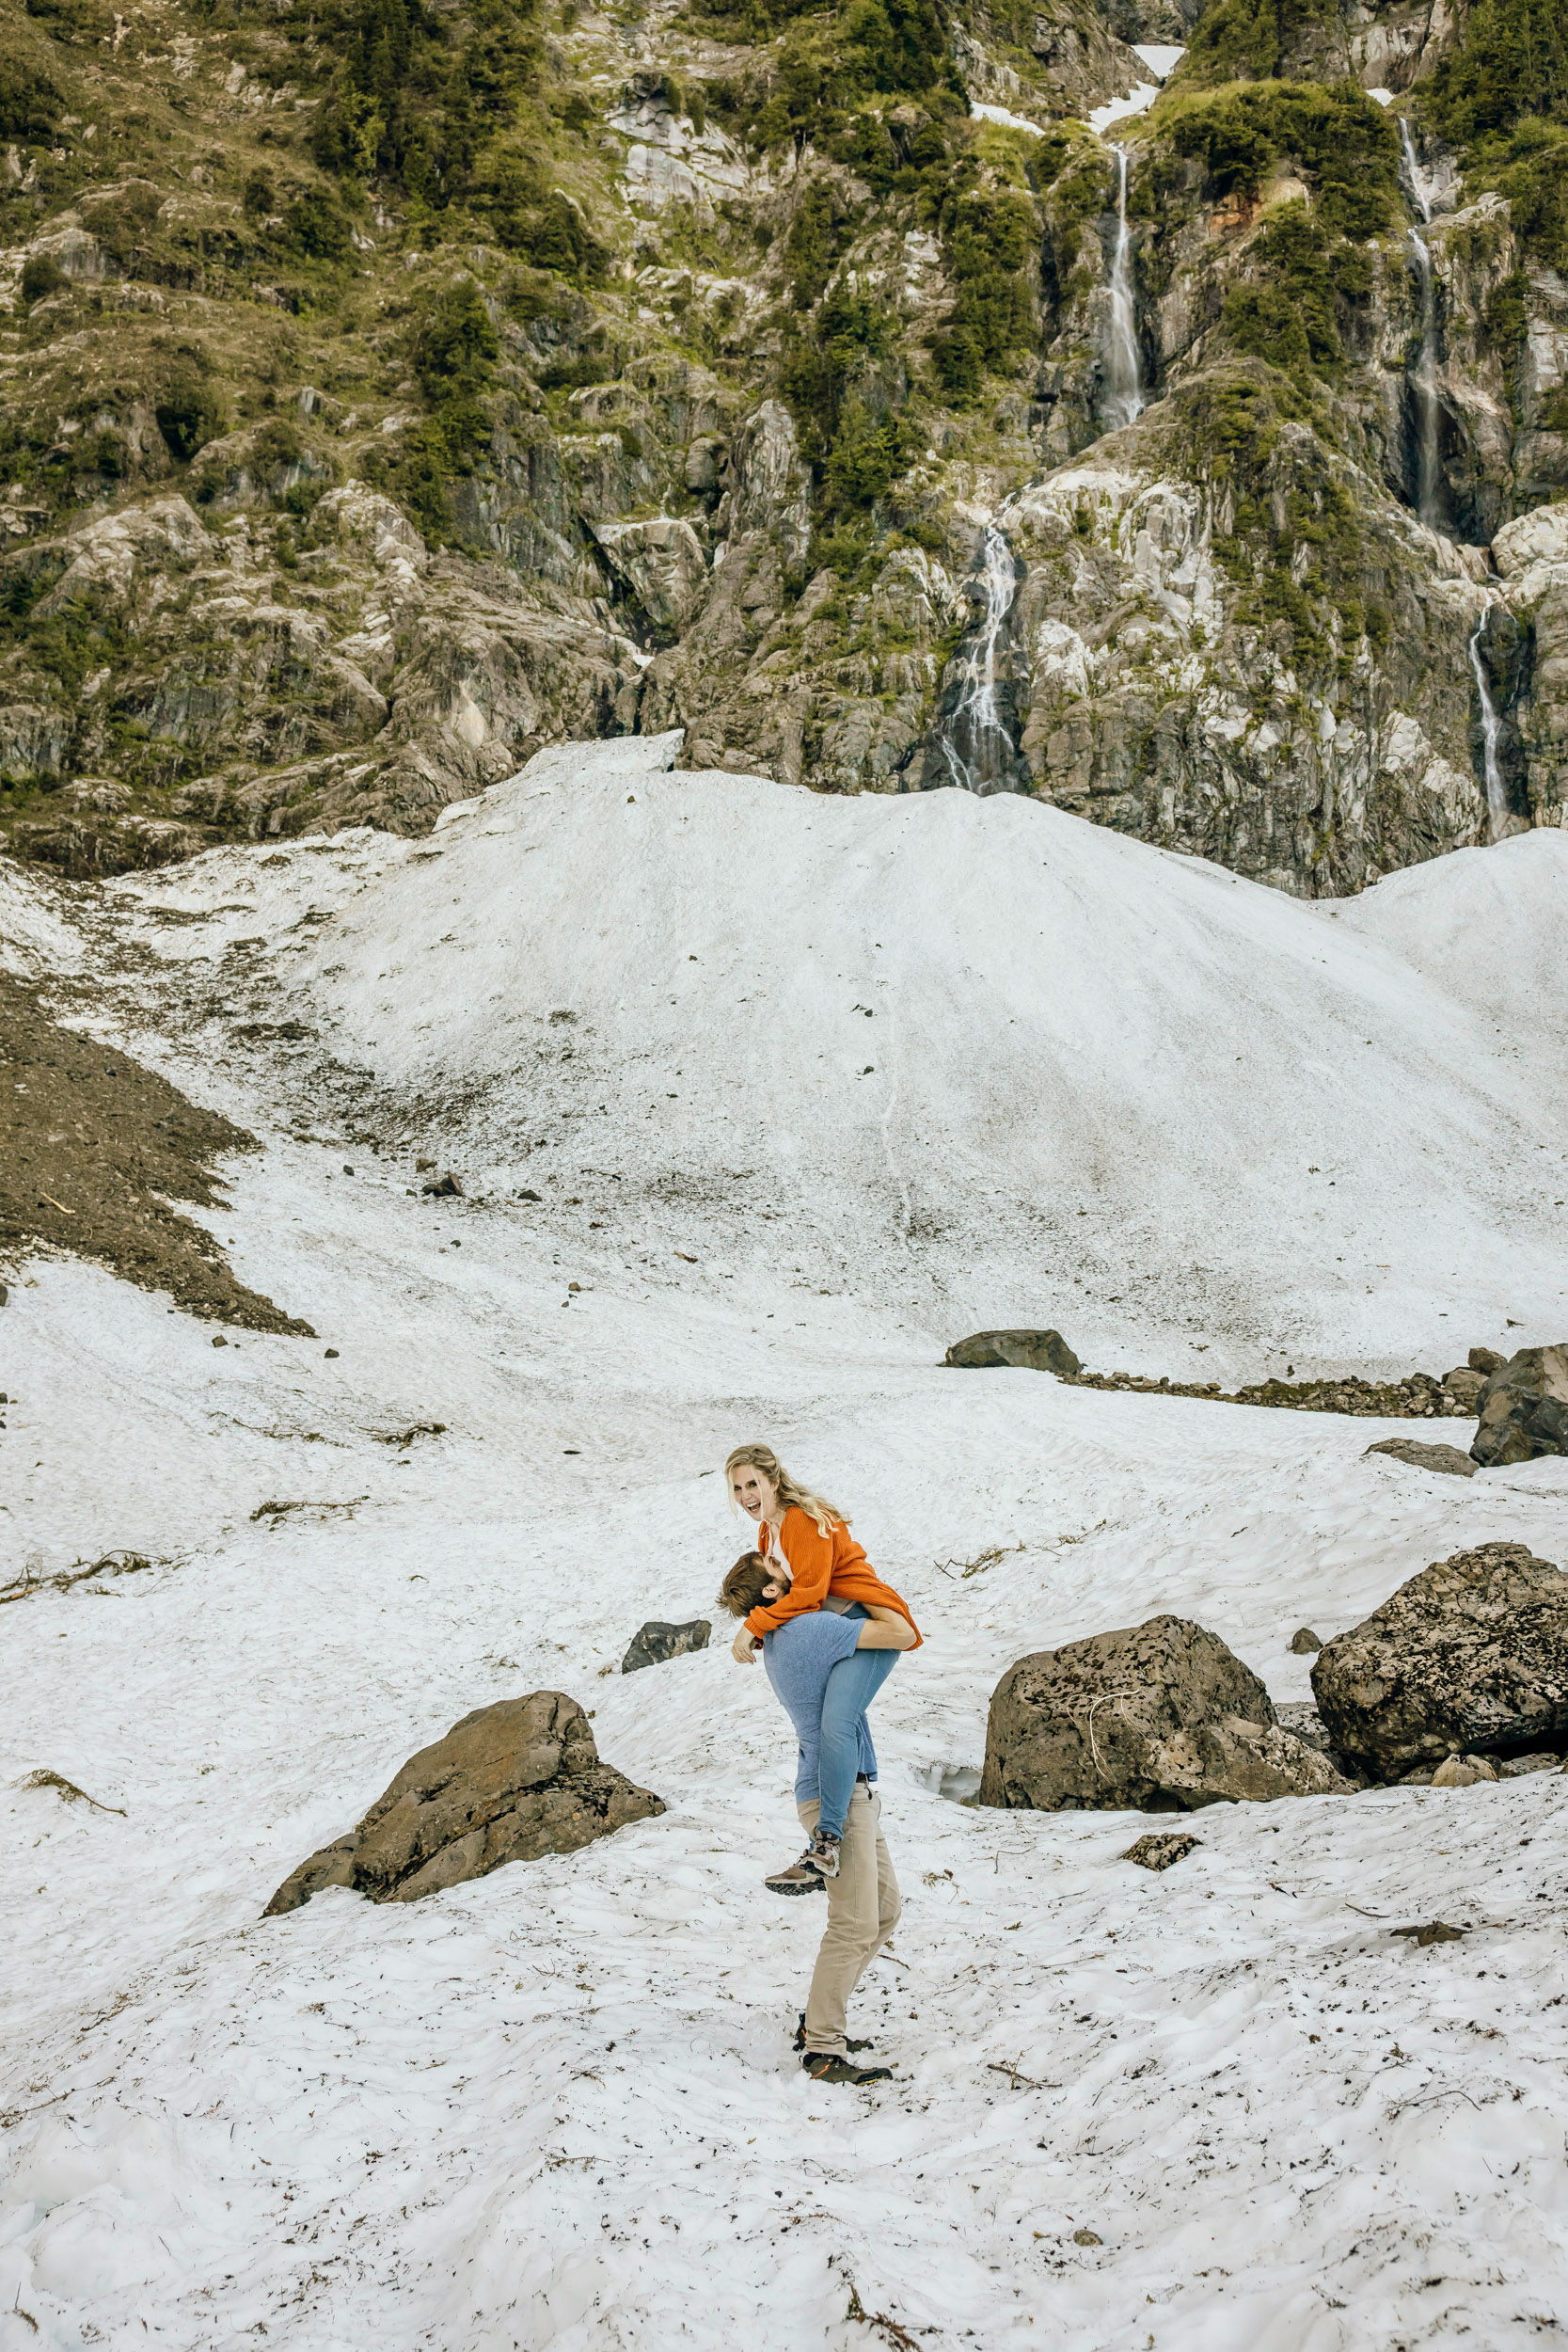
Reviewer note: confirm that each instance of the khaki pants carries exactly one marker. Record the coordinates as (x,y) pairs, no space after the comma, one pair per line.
(862,1911)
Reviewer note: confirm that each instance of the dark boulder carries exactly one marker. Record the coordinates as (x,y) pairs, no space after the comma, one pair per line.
(507,1784)
(1447,1459)
(1523,1407)
(656,1643)
(1162,1717)
(1304,1642)
(1025,1351)
(1471,1656)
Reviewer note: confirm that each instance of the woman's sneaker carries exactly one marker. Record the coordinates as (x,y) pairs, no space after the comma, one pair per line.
(824,2067)
(819,1864)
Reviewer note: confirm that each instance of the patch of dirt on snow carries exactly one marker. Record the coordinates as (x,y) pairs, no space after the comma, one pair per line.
(93,1149)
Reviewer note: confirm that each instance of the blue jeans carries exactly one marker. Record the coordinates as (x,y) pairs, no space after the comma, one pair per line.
(852,1687)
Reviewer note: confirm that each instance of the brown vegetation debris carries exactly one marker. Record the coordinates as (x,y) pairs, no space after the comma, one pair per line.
(94,1148)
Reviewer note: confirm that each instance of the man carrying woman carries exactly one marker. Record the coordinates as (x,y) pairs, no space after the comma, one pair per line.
(829,1633)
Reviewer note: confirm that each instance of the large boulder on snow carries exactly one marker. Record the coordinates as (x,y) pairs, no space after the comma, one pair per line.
(1523,1407)
(507,1784)
(1162,1717)
(1027,1351)
(1471,1656)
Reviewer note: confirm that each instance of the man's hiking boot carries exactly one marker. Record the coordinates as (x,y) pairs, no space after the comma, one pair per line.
(824,2067)
(819,1864)
(849,2042)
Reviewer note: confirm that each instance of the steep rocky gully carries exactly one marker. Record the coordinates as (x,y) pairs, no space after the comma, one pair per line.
(391,391)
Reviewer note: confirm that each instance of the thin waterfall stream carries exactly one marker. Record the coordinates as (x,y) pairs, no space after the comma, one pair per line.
(1491,733)
(974,739)
(1124,398)
(1429,503)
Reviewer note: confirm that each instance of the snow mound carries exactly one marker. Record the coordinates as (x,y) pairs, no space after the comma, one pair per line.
(1485,926)
(1062,1075)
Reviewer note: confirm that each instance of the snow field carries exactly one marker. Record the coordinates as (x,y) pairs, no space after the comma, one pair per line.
(1005,1065)
(399,2126)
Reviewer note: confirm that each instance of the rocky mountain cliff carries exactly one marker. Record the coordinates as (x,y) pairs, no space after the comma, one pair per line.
(391,390)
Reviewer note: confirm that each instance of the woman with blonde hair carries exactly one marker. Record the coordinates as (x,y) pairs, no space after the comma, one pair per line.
(809,1537)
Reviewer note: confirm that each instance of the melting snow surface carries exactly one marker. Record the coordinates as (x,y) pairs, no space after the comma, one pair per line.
(1162,62)
(1008,121)
(556,2111)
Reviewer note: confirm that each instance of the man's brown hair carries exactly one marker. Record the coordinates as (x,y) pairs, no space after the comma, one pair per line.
(741,1591)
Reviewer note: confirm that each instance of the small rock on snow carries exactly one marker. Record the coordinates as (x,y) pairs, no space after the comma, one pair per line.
(1434,1932)
(1157,1853)
(1445,1458)
(656,1643)
(1463,1771)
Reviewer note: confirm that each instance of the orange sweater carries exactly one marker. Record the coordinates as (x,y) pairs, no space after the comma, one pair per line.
(820,1565)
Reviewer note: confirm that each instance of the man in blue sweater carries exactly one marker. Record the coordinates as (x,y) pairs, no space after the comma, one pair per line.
(863,1894)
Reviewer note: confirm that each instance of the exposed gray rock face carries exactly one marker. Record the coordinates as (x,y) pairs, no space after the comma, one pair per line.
(1445,1459)
(1081,62)
(1471,1655)
(657,1643)
(1162,1717)
(1523,1407)
(1124,588)
(508,1783)
(1027,1351)
(661,564)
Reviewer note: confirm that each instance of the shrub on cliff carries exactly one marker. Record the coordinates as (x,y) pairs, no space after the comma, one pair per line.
(1513,62)
(989,240)
(1339,138)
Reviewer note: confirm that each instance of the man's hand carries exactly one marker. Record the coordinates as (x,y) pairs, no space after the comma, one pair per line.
(743,1649)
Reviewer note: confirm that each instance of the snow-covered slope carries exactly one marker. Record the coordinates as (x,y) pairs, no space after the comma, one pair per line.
(1486,928)
(1012,1066)
(556,2111)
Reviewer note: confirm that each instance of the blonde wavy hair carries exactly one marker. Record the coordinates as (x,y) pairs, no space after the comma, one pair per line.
(790,1491)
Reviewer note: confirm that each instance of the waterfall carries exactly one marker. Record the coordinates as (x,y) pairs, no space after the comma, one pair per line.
(976,743)
(1496,796)
(1420,185)
(1123,376)
(1429,503)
